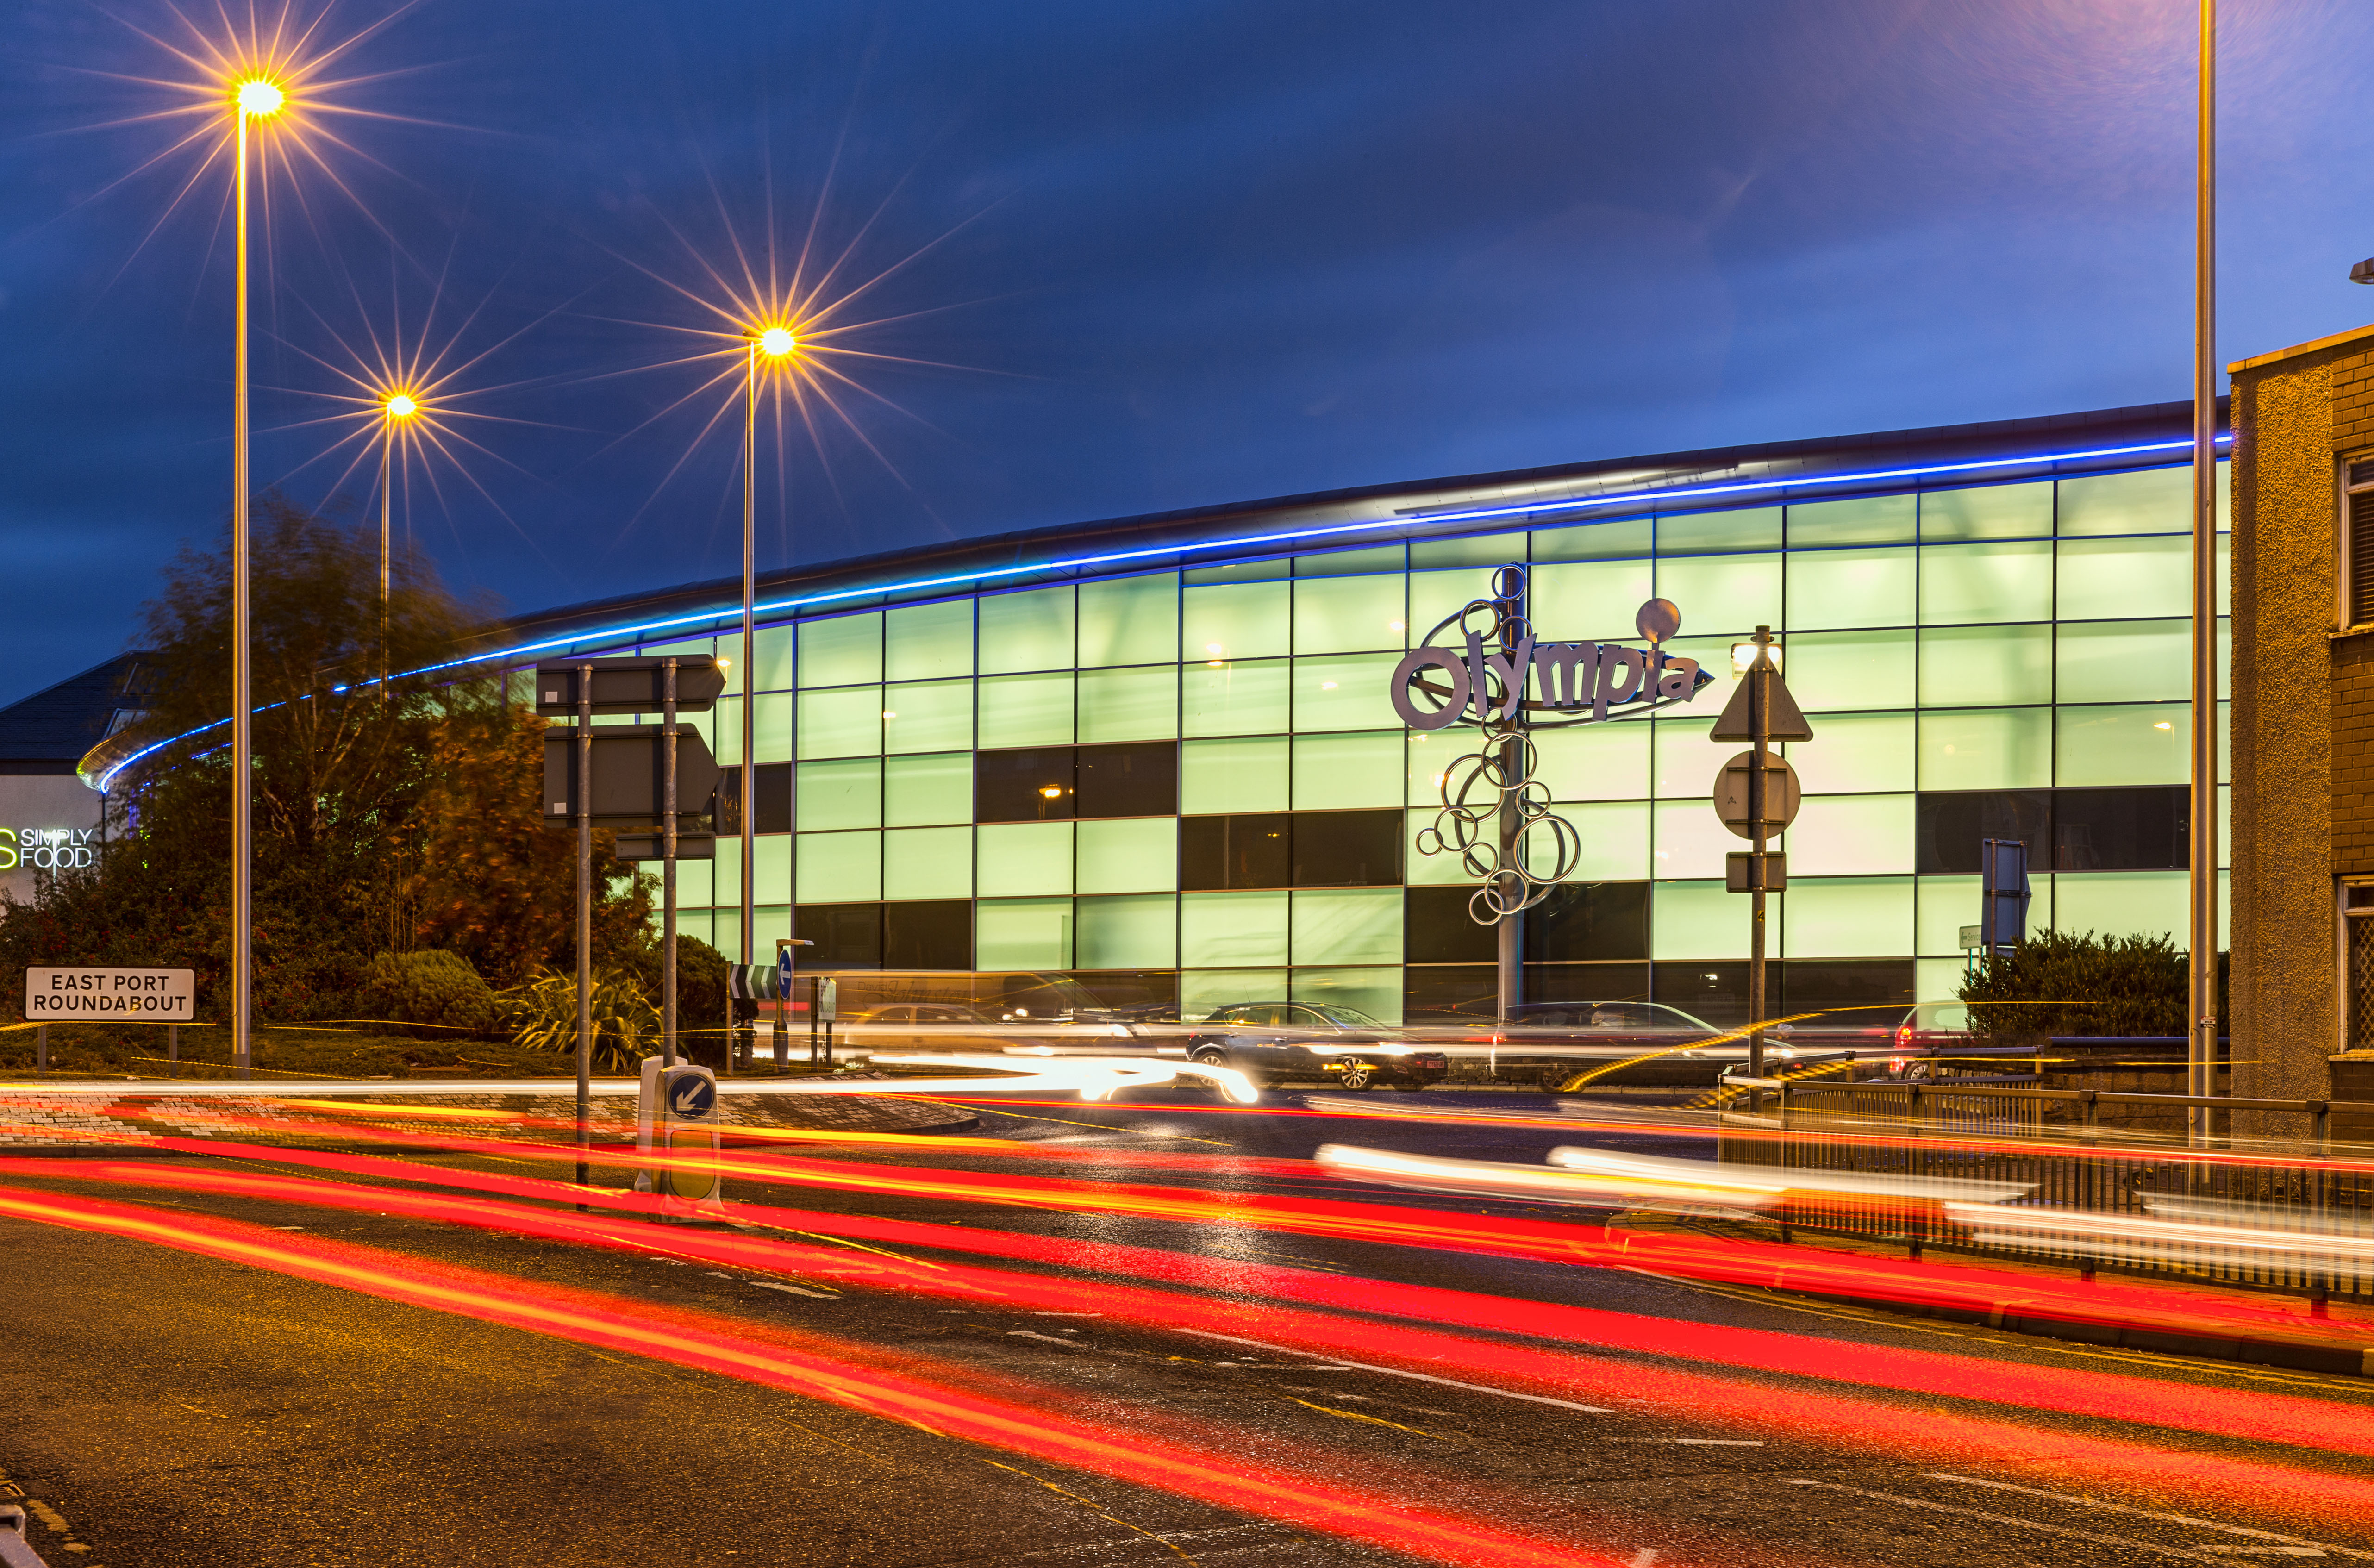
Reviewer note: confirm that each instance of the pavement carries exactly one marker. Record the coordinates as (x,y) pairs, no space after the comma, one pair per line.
(166,1410)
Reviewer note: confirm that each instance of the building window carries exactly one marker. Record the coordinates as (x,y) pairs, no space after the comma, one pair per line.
(2358,966)
(2358,541)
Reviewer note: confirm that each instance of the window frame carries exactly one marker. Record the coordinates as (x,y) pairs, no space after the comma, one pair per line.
(2345,487)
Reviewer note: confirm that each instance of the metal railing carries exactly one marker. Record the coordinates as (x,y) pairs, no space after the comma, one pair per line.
(2112,1181)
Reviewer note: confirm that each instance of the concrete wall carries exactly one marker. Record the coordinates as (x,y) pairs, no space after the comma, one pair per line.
(2303,716)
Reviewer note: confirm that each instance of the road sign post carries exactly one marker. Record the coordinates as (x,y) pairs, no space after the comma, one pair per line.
(1760,712)
(584,918)
(675,1119)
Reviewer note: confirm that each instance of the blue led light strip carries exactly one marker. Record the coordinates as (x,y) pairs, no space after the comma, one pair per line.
(1428,520)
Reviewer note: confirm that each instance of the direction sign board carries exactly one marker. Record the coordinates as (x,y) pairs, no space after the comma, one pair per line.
(1782,796)
(110,996)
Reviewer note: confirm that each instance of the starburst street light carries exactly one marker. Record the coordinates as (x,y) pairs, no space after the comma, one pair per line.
(774,344)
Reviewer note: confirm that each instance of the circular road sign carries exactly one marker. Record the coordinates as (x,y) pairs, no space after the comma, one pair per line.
(1782,796)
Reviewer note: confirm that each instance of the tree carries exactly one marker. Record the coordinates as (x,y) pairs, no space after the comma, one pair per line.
(2058,982)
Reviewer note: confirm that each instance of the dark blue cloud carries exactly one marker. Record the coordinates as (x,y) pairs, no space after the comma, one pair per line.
(1153,256)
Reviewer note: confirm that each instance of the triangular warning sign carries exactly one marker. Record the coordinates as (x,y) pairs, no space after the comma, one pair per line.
(1787,722)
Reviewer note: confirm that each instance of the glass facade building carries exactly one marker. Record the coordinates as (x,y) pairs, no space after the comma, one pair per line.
(1178,772)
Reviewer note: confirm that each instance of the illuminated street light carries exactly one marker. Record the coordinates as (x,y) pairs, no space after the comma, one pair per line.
(778,343)
(395,409)
(251,98)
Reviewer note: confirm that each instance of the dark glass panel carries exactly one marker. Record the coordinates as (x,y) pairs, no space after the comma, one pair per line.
(1347,849)
(1129,781)
(1449,993)
(2120,829)
(1248,851)
(1588,922)
(1436,928)
(1949,826)
(1585,983)
(1712,989)
(771,801)
(847,936)
(927,934)
(1849,993)
(1037,785)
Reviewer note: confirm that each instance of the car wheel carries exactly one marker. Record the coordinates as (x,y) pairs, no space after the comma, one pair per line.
(1211,1057)
(1356,1075)
(1554,1081)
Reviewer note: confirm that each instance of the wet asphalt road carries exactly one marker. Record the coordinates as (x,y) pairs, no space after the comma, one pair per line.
(160,1408)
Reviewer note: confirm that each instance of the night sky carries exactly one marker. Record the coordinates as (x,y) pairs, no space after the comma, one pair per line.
(1138,257)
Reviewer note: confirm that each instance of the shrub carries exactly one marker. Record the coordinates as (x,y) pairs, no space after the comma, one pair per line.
(699,988)
(2058,982)
(543,1012)
(434,987)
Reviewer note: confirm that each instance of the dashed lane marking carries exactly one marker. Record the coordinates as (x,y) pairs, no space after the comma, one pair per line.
(1399,1371)
(2152,1514)
(2192,1553)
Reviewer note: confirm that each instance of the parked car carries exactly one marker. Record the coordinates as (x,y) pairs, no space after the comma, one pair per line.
(1284,1041)
(1929,1030)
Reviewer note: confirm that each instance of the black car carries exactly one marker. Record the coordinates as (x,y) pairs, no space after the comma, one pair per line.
(1319,1042)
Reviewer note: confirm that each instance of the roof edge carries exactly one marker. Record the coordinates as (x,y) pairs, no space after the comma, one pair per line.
(2260,361)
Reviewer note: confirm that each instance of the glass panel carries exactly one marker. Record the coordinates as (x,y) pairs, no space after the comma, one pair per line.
(1227,698)
(1476,550)
(2108,579)
(1831,670)
(1241,572)
(1607,761)
(1361,925)
(772,739)
(1838,588)
(843,722)
(1945,904)
(1850,917)
(772,649)
(1689,840)
(839,794)
(1434,594)
(1023,857)
(1127,855)
(1244,620)
(1130,704)
(1597,600)
(1216,776)
(1422,870)
(929,642)
(1344,615)
(843,651)
(1348,691)
(1753,529)
(1376,992)
(771,868)
(840,868)
(1700,920)
(1200,991)
(1391,558)
(2155,500)
(1866,520)
(1986,664)
(1961,584)
(1853,754)
(928,863)
(1337,771)
(919,790)
(1720,595)
(1128,933)
(1024,710)
(1024,632)
(2124,745)
(696,880)
(1134,620)
(1614,836)
(1686,761)
(1604,540)
(2111,661)
(1986,749)
(1022,934)
(1937,980)
(2122,903)
(927,715)
(1988,511)
(1850,835)
(1232,929)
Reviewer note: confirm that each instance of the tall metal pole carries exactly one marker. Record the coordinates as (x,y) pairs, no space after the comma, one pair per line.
(749,657)
(667,870)
(584,922)
(1509,934)
(243,740)
(2202,1054)
(1760,728)
(387,498)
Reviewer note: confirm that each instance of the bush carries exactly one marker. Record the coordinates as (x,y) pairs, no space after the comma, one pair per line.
(543,1012)
(700,987)
(2057,983)
(432,988)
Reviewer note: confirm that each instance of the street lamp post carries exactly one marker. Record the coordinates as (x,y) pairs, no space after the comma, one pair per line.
(774,343)
(395,409)
(251,99)
(2200,1065)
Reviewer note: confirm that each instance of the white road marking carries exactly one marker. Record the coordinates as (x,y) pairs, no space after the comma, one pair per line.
(793,1290)
(1397,1372)
(1044,1338)
(2192,1554)
(2152,1514)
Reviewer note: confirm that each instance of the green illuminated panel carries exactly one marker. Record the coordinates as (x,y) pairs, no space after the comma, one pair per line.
(771,740)
(1596,761)
(2123,903)
(2110,579)
(1347,927)
(2123,745)
(1723,595)
(840,868)
(1344,692)
(1231,930)
(1604,540)
(1615,838)
(1688,839)
(928,863)
(1127,855)
(2156,500)
(1986,748)
(1231,697)
(1855,753)
(1831,670)
(929,642)
(2131,661)
(1129,704)
(1708,533)
(1333,771)
(1594,600)
(772,648)
(1700,920)
(1687,761)
(1026,710)
(927,715)
(846,793)
(1943,906)
(1964,583)
(1022,934)
(842,723)
(1344,615)
(1140,932)
(770,865)
(1866,520)
(1435,595)
(1027,632)
(1219,776)
(1423,870)
(1239,620)
(1987,511)
(1202,991)
(1849,917)
(1851,835)
(919,791)
(1376,992)
(1023,857)
(1840,588)
(1133,620)
(1973,665)
(1475,549)
(1363,562)
(843,651)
